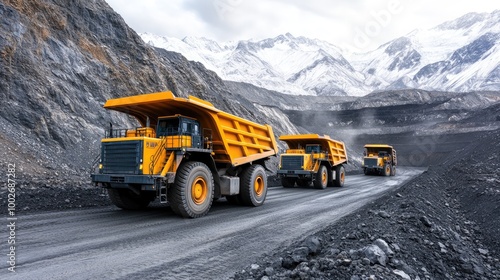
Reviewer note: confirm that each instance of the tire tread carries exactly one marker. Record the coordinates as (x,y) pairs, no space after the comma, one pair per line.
(178,196)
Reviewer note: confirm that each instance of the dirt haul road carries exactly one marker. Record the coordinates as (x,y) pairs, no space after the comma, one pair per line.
(108,243)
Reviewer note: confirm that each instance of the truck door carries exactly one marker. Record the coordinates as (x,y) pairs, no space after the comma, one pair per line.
(192,128)
(196,137)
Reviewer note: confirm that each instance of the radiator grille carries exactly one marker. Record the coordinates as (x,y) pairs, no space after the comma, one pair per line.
(292,162)
(121,157)
(370,162)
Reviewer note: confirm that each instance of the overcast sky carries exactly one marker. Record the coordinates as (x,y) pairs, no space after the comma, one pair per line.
(361,25)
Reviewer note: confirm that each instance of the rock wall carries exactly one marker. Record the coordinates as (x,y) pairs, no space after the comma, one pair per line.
(61,60)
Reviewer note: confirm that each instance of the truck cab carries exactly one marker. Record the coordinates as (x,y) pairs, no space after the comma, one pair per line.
(180,131)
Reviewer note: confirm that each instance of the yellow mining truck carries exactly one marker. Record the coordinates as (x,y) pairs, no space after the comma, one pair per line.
(186,152)
(379,159)
(312,159)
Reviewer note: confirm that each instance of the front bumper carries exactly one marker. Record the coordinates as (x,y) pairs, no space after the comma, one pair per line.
(125,179)
(294,173)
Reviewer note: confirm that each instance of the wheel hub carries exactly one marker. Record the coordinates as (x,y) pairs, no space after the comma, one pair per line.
(258,186)
(199,190)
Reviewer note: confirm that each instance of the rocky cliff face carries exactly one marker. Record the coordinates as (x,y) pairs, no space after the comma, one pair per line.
(61,60)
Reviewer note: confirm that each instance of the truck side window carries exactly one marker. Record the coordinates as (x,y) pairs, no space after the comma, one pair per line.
(162,127)
(313,149)
(167,127)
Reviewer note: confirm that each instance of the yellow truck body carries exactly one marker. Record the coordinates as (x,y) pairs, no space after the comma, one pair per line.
(312,159)
(379,159)
(215,154)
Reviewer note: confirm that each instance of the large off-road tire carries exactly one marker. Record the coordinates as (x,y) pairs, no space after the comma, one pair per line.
(127,199)
(288,182)
(393,171)
(192,194)
(253,186)
(366,171)
(339,176)
(321,178)
(387,170)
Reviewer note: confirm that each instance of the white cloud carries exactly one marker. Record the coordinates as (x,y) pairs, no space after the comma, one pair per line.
(160,17)
(338,22)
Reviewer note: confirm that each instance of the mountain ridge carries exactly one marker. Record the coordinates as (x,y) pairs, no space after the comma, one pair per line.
(301,66)
(270,69)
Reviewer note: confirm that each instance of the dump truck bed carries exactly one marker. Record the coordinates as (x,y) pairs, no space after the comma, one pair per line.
(235,141)
(336,149)
(378,146)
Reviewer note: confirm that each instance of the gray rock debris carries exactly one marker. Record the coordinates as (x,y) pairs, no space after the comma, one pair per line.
(313,243)
(373,253)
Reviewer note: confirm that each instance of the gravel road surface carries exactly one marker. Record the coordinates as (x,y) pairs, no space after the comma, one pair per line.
(108,243)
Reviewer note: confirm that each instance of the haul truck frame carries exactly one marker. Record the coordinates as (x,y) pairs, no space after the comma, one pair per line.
(379,159)
(186,152)
(312,159)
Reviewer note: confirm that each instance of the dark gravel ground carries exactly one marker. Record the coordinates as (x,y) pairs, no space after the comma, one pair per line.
(58,192)
(444,224)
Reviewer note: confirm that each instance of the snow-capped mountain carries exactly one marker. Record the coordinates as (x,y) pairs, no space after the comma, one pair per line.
(459,55)
(208,52)
(288,64)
